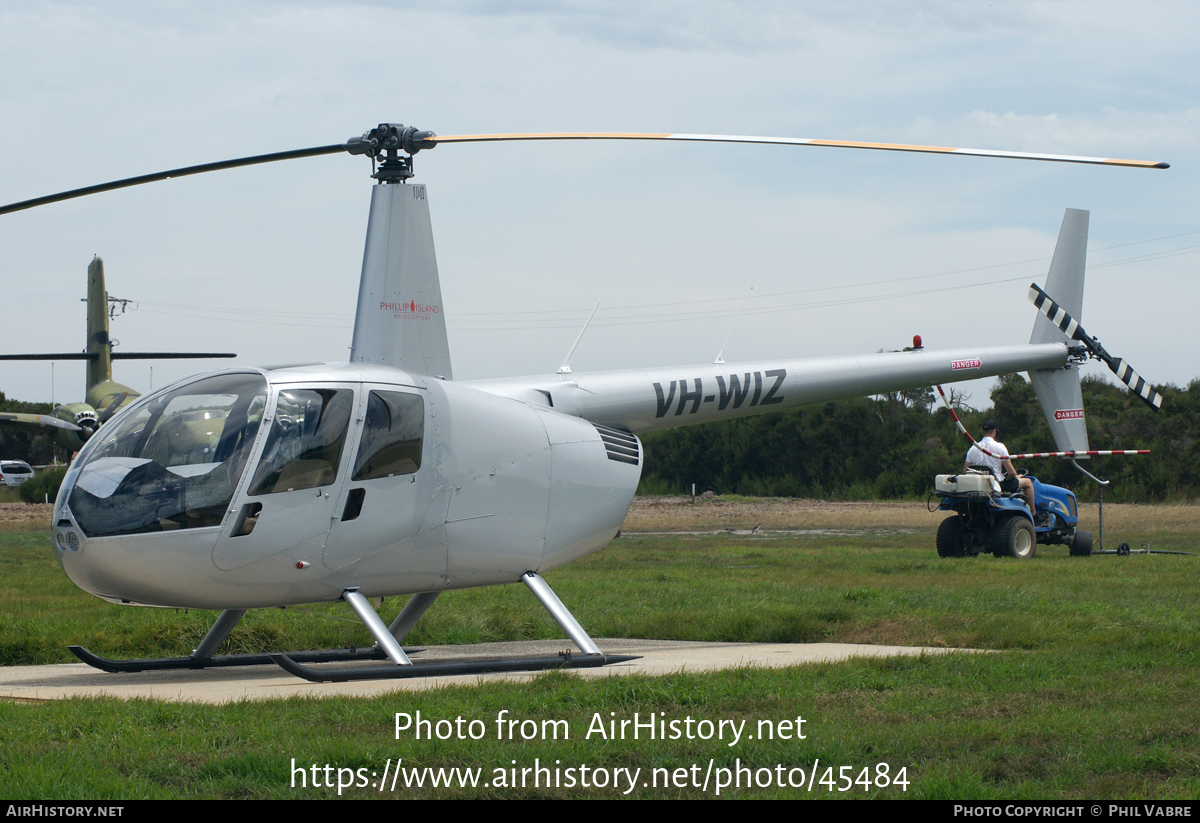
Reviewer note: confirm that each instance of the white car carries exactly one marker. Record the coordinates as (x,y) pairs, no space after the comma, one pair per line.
(14,472)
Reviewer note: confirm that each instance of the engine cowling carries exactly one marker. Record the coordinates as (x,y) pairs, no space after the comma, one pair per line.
(528,488)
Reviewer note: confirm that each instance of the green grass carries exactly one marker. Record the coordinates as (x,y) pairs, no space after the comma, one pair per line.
(1094,692)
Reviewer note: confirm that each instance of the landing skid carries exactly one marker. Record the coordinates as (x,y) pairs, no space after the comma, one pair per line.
(449,667)
(203,658)
(155,664)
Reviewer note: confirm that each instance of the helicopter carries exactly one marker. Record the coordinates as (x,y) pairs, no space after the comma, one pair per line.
(74,423)
(251,488)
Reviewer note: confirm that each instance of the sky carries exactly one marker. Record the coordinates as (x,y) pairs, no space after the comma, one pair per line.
(830,251)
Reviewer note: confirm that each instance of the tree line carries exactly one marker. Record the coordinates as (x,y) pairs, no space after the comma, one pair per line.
(35,446)
(891,447)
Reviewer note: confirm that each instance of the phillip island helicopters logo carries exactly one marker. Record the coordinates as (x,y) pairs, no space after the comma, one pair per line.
(411,310)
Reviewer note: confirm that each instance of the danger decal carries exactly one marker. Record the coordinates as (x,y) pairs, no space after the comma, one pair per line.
(1068,414)
(972,363)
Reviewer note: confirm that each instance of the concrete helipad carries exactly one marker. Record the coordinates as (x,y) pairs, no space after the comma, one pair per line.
(658,657)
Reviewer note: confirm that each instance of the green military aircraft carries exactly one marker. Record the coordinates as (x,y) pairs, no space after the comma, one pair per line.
(74,423)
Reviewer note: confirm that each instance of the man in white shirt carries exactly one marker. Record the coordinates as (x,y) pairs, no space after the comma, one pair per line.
(991,454)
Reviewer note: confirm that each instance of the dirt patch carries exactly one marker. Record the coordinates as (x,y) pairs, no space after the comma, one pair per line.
(651,514)
(1135,517)
(681,514)
(26,514)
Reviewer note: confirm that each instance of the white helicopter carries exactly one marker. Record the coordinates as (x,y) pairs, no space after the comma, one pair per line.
(262,487)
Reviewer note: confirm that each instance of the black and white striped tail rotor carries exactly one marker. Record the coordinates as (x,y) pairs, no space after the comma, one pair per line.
(1071,328)
(1057,315)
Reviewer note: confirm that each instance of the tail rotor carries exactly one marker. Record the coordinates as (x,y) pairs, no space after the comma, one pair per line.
(1057,315)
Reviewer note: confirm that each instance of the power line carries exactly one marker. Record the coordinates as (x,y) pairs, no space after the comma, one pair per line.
(626,315)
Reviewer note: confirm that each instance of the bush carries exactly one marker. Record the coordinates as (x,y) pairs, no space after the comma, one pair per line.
(45,482)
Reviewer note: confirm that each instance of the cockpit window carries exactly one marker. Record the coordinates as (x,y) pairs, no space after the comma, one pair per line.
(392,434)
(174,461)
(305,445)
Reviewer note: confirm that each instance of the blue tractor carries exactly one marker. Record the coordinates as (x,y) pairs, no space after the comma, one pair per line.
(988,521)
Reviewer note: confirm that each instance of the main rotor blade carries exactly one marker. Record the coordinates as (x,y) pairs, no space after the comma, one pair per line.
(168,355)
(122,355)
(428,139)
(166,175)
(1071,328)
(75,355)
(794,141)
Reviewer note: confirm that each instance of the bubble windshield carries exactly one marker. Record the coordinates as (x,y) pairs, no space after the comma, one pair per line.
(173,461)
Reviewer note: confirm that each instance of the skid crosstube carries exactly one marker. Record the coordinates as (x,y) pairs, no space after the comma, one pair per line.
(449,667)
(387,647)
(151,664)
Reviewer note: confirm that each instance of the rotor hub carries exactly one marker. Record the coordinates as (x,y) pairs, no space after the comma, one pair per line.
(385,142)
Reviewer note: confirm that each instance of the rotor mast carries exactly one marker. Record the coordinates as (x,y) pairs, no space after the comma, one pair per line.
(399,320)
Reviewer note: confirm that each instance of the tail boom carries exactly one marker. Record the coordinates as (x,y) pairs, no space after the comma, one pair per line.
(650,399)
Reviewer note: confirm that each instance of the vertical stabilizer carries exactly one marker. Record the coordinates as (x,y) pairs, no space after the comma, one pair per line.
(1062,403)
(99,367)
(1058,390)
(1064,283)
(400,320)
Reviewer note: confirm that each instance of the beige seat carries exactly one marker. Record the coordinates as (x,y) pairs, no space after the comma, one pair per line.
(304,474)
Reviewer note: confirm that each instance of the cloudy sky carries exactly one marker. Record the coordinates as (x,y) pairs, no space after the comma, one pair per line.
(846,251)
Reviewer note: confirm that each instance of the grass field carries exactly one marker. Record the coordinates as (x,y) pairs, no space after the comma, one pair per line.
(1092,691)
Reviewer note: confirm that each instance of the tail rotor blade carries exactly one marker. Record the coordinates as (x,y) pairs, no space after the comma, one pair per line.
(1136,383)
(1071,328)
(1057,315)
